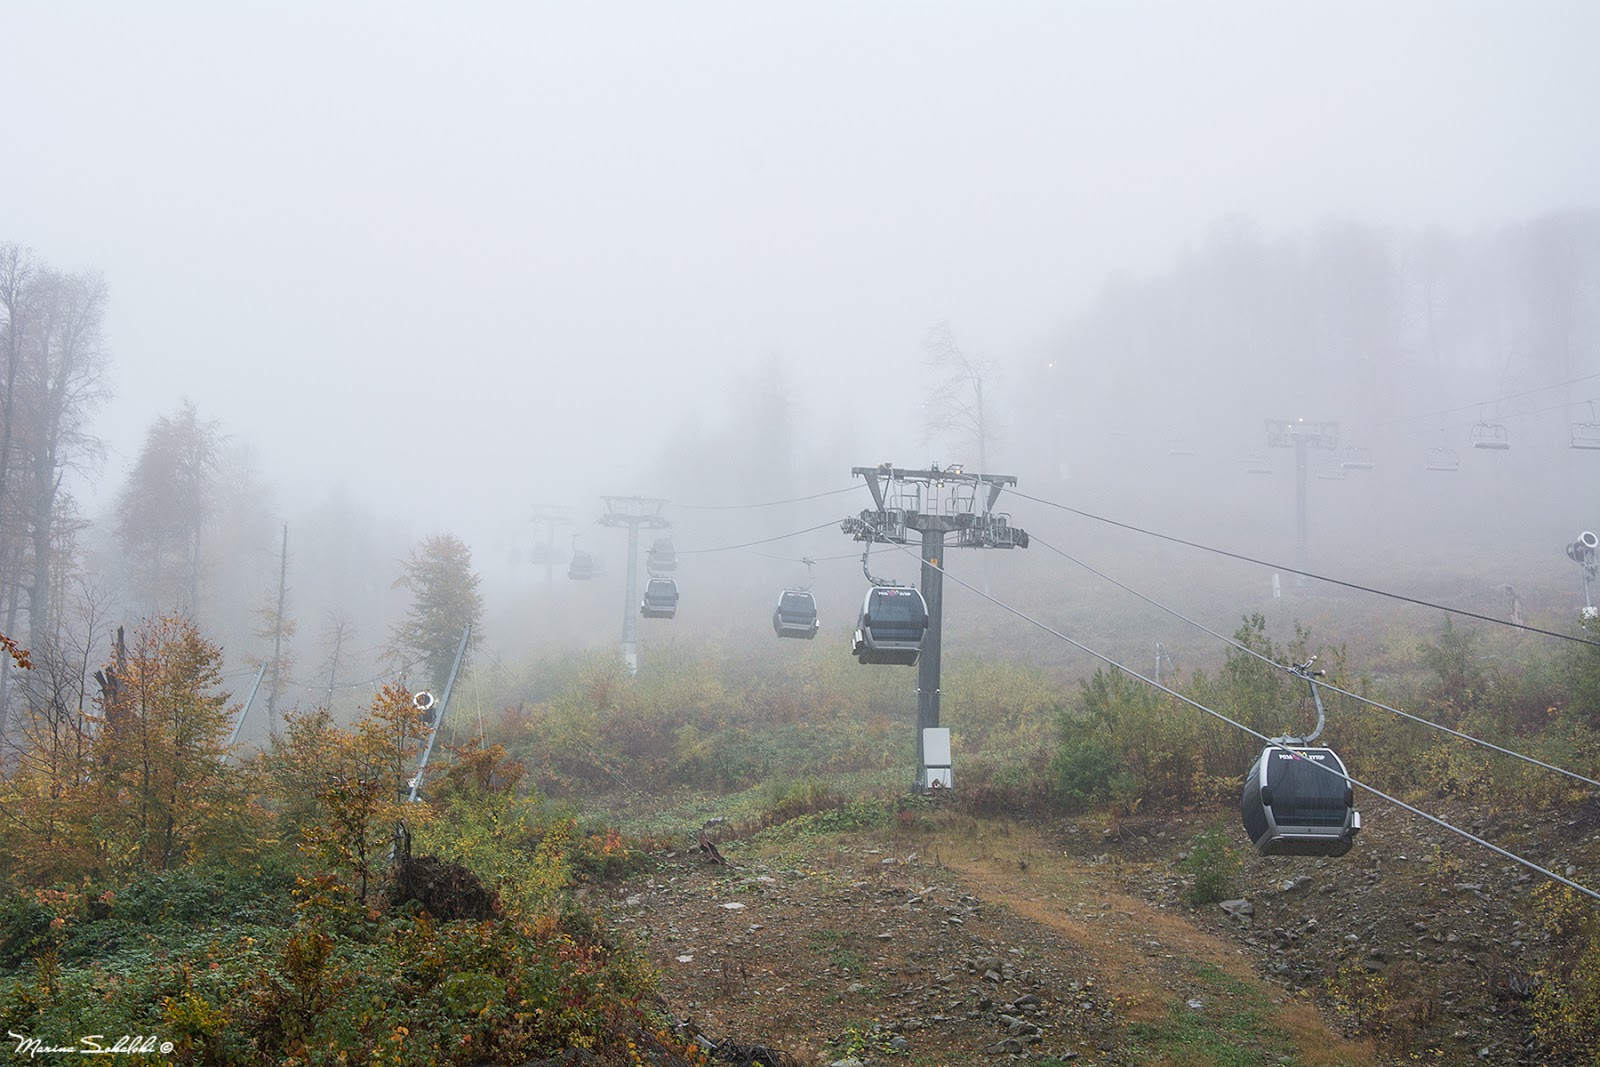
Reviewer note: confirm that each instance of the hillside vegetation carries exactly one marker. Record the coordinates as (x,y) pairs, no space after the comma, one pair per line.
(289,907)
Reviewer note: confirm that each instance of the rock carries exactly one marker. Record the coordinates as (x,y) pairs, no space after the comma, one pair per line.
(1195,1004)
(1009,1046)
(1239,911)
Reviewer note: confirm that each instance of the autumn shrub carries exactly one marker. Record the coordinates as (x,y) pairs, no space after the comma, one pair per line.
(1566,1001)
(605,854)
(1009,779)
(330,981)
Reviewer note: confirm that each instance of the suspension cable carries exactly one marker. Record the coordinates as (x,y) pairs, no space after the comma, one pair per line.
(1326,685)
(1468,835)
(766,504)
(1307,574)
(761,541)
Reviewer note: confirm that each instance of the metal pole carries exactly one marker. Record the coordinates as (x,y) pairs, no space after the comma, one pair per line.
(549,553)
(928,660)
(251,699)
(1300,507)
(277,636)
(438,718)
(630,607)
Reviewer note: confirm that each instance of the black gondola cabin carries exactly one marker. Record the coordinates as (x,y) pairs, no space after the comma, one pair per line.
(660,599)
(1299,802)
(894,619)
(795,615)
(581,567)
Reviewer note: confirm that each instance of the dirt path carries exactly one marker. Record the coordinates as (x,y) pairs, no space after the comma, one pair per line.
(1146,954)
(975,943)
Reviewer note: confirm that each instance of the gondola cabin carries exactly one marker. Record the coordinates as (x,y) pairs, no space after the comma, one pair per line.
(894,619)
(662,558)
(660,599)
(795,615)
(581,567)
(1299,802)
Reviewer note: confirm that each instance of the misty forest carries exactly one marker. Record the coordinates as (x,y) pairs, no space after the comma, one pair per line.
(796,690)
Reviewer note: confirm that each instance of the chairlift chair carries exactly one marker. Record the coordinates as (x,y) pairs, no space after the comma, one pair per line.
(1490,435)
(660,599)
(1443,459)
(1179,447)
(795,615)
(894,619)
(1355,459)
(1256,463)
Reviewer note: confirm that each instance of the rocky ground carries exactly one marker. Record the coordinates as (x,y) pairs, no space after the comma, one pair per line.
(964,940)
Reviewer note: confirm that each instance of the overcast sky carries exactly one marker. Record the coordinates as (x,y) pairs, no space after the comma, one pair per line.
(483,256)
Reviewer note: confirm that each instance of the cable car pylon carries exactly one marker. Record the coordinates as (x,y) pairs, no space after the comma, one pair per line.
(932,503)
(634,512)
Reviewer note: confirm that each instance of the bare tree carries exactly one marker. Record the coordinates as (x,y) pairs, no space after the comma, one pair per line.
(65,372)
(337,629)
(955,409)
(53,377)
(17,269)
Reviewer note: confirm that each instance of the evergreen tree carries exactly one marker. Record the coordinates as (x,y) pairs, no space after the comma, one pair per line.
(445,600)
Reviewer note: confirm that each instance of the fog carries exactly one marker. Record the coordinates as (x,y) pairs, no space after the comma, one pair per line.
(437,266)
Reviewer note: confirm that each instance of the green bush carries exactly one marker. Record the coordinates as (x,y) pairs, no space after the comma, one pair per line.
(1084,770)
(1215,866)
